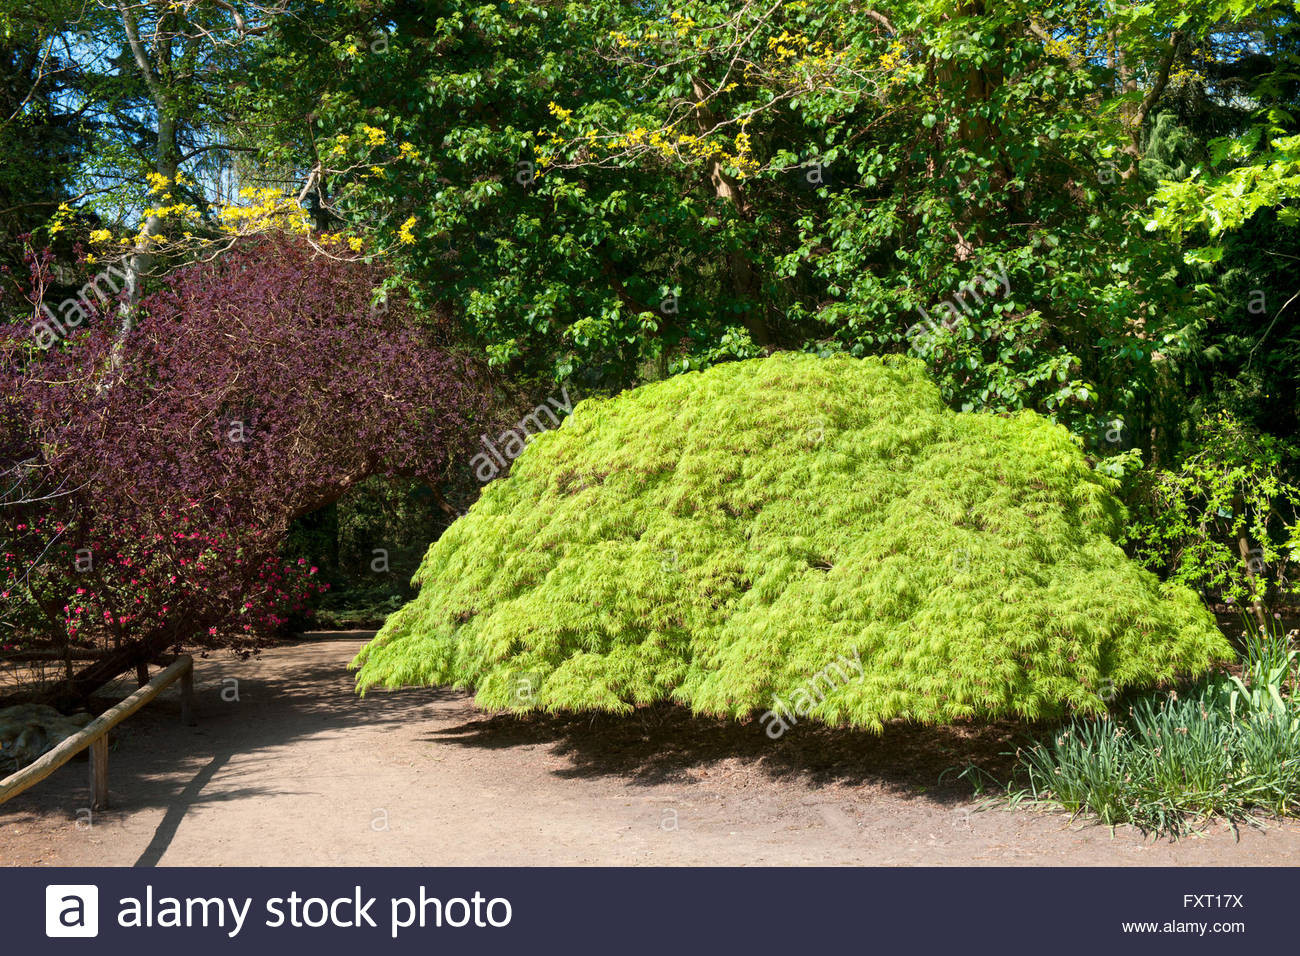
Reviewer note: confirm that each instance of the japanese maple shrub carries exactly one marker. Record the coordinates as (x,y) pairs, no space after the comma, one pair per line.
(731,538)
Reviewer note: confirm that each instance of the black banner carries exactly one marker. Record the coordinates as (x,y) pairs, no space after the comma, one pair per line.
(662,911)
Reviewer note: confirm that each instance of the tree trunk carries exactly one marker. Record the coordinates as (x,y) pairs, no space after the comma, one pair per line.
(141,259)
(971,88)
(726,187)
(1135,115)
(1243,549)
(166,165)
(81,685)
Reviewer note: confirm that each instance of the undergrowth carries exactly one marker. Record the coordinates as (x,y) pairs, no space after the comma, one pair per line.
(1227,747)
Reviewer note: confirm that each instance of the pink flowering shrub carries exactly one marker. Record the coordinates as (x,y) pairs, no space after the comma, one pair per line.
(123,586)
(146,494)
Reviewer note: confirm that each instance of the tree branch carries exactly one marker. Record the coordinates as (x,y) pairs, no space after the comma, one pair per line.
(1154,93)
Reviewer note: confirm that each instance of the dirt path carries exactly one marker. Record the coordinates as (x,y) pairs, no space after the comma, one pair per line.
(298,771)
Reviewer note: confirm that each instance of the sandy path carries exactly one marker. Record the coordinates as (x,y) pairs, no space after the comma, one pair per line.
(299,771)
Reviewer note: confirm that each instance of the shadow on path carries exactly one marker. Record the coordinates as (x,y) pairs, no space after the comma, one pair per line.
(279,706)
(171,821)
(667,744)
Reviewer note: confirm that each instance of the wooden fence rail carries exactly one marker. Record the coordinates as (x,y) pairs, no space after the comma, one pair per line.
(95,736)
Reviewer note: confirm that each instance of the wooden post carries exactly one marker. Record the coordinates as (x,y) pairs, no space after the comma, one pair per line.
(141,673)
(99,773)
(95,737)
(187,697)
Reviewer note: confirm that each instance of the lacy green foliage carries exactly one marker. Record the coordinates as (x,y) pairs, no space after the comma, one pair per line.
(720,538)
(1266,180)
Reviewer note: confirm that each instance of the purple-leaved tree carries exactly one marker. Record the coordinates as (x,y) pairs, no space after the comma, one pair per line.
(145,501)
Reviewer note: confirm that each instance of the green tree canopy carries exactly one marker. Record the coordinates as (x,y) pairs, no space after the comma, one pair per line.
(610,190)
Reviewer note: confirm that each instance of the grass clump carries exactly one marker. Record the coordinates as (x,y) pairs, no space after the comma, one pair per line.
(1228,747)
(727,538)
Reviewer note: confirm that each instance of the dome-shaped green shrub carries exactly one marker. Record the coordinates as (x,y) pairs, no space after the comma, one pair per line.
(801,536)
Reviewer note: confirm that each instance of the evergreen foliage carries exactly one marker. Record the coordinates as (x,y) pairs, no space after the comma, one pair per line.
(722,538)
